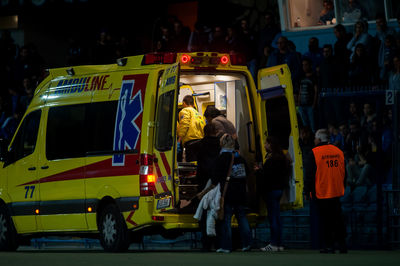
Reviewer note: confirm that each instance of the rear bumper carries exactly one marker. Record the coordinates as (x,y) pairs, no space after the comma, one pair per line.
(186,221)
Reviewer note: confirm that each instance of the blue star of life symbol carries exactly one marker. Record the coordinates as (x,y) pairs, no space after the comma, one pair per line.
(126,132)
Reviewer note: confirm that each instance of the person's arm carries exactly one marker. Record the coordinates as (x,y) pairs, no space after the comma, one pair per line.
(351,43)
(184,122)
(219,127)
(315,95)
(205,191)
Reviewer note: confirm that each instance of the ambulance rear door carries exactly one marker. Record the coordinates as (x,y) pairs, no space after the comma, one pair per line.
(165,139)
(278,118)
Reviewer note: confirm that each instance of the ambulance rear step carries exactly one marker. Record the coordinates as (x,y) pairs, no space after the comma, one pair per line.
(188,187)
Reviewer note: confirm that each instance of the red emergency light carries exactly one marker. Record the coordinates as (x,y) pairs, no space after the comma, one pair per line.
(224,59)
(185,59)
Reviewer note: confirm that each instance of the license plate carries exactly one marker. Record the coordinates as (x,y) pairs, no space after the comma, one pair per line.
(163,203)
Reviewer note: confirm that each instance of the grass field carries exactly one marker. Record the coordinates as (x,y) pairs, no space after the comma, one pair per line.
(190,258)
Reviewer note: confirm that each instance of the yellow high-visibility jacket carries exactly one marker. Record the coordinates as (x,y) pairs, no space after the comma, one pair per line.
(191,124)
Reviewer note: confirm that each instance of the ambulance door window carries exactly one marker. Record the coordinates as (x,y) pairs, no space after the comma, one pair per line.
(164,140)
(65,137)
(278,119)
(25,141)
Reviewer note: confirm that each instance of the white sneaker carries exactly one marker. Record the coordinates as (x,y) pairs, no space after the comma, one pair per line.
(281,248)
(248,248)
(270,248)
(221,250)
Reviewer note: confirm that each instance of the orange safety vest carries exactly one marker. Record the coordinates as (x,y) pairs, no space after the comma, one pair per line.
(330,173)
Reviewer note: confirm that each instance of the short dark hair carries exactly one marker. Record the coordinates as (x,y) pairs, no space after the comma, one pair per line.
(188,99)
(328,46)
(380,16)
(211,111)
(340,28)
(276,148)
(307,59)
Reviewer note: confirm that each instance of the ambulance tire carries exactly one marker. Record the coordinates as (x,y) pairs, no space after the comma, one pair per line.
(114,236)
(8,234)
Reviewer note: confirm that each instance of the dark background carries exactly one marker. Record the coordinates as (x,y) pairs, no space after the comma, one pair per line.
(50,25)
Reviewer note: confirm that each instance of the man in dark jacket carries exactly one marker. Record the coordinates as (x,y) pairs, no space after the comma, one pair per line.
(325,181)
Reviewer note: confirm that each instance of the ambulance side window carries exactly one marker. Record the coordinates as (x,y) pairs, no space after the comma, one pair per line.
(164,140)
(278,119)
(100,122)
(25,141)
(66,136)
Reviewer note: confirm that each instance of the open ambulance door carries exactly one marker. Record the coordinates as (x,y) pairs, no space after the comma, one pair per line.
(165,140)
(278,118)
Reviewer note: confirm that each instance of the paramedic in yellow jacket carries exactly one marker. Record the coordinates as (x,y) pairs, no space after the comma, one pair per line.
(190,127)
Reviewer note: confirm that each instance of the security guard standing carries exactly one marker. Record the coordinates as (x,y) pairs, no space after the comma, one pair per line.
(325,182)
(190,128)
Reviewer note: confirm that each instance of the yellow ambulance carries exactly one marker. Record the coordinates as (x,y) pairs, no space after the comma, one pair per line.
(95,153)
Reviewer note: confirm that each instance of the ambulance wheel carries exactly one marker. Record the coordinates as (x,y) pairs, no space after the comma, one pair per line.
(114,235)
(8,234)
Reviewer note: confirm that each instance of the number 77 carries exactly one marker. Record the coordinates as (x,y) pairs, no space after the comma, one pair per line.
(27,188)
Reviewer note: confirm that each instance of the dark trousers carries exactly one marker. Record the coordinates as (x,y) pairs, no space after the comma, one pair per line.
(244,228)
(272,200)
(331,218)
(191,148)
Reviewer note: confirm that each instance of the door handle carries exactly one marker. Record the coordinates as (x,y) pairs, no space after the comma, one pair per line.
(45,167)
(32,168)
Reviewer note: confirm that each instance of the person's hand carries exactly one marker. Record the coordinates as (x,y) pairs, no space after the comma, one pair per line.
(256,167)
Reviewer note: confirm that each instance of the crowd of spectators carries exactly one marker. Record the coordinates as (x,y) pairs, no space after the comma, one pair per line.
(362,129)
(21,68)
(355,59)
